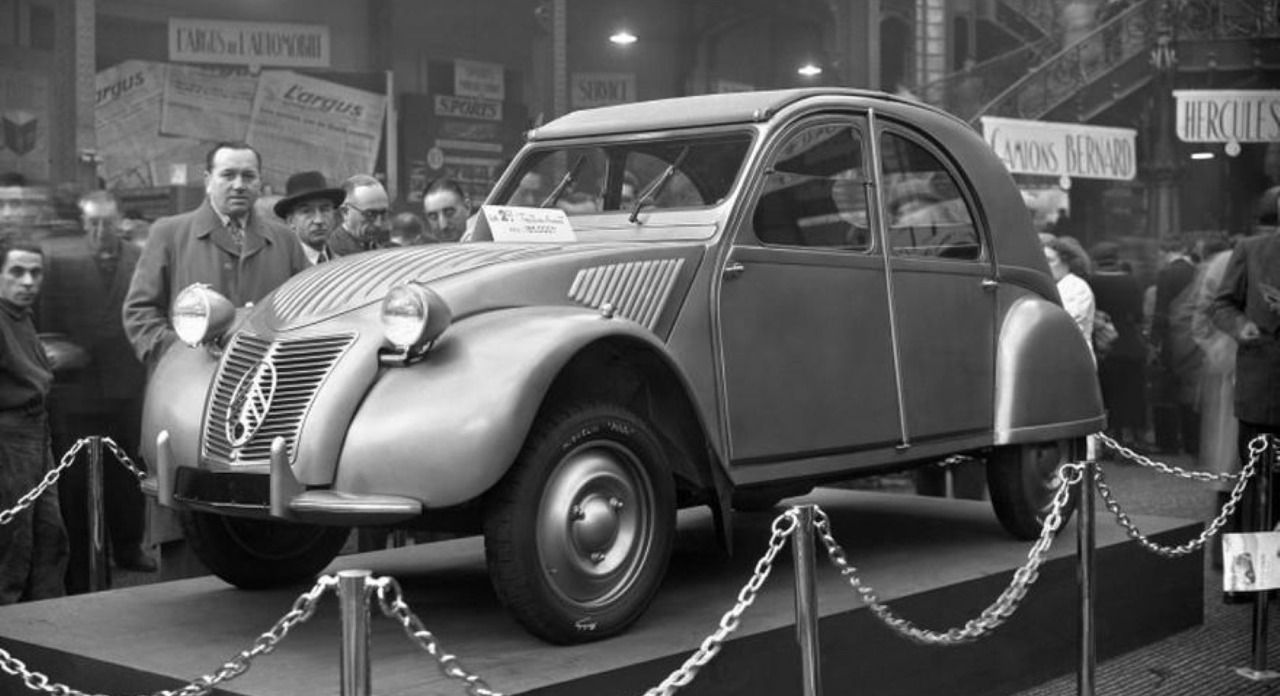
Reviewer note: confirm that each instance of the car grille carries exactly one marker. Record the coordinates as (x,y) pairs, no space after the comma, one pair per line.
(301,365)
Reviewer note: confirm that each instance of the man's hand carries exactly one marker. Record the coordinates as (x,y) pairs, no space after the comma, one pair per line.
(1248,333)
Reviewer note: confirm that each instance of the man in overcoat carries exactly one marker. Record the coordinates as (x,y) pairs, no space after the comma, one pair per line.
(221,243)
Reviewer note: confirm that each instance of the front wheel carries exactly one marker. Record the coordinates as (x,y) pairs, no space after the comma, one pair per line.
(260,554)
(1022,480)
(579,532)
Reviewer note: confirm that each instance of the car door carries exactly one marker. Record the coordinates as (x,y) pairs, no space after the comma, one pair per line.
(943,289)
(803,312)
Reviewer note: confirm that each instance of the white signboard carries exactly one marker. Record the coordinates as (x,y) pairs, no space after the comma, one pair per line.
(514,224)
(248,43)
(1228,116)
(1063,149)
(468,107)
(1251,562)
(473,78)
(302,123)
(589,90)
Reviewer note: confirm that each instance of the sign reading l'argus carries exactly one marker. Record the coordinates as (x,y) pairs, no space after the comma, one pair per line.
(248,43)
(1063,149)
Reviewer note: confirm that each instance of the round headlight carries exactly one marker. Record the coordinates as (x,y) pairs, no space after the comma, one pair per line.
(413,316)
(200,315)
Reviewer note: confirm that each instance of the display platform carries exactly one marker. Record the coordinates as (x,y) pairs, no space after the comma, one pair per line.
(938,562)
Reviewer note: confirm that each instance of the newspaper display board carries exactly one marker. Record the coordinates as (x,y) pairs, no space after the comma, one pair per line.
(127,122)
(300,122)
(207,104)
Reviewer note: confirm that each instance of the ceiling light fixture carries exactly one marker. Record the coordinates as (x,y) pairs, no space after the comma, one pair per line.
(623,38)
(809,70)
(1201,155)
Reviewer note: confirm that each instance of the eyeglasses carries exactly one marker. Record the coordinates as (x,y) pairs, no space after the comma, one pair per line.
(380,213)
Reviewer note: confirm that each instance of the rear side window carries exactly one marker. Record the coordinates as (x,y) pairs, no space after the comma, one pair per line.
(814,193)
(925,213)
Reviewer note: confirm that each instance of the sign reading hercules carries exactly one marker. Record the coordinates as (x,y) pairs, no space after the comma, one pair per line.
(249,43)
(1062,149)
(1228,116)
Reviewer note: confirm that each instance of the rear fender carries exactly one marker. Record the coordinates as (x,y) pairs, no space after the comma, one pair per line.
(447,428)
(1046,379)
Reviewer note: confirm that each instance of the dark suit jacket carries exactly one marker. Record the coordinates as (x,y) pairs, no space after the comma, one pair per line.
(1254,265)
(82,303)
(195,247)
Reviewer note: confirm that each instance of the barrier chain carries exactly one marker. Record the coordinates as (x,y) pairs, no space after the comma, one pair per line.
(1202,476)
(122,457)
(1257,446)
(50,478)
(998,611)
(784,526)
(391,600)
(303,607)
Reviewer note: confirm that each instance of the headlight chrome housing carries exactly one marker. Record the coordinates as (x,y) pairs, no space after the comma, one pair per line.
(412,317)
(201,315)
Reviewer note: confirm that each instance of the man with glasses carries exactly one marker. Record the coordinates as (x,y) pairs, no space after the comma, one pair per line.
(222,244)
(86,277)
(365,222)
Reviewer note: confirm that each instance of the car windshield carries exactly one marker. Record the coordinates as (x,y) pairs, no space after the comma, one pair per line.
(628,177)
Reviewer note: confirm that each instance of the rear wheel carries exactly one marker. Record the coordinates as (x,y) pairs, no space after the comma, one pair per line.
(1023,480)
(259,554)
(579,532)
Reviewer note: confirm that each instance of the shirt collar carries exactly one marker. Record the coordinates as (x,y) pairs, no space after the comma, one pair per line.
(13,311)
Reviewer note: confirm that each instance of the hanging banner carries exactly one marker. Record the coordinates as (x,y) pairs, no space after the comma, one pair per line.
(301,123)
(1063,149)
(205,103)
(1228,116)
(127,121)
(589,90)
(248,43)
(472,78)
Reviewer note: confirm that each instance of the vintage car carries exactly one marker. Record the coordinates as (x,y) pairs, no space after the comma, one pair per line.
(753,294)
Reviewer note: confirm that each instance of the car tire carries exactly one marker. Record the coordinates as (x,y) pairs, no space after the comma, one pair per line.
(579,532)
(1022,480)
(260,554)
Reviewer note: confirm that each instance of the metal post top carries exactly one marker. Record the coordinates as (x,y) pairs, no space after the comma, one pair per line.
(354,573)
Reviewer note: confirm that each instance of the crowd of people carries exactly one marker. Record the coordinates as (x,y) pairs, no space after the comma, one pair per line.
(85,295)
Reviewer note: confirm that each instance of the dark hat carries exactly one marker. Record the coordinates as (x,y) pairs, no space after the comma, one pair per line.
(305,186)
(1106,253)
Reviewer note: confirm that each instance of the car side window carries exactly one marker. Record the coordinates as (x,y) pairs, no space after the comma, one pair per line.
(814,194)
(925,213)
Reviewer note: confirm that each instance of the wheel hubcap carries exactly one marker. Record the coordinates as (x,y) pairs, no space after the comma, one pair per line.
(595,523)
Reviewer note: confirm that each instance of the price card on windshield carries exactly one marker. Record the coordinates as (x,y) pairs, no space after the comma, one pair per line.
(515,224)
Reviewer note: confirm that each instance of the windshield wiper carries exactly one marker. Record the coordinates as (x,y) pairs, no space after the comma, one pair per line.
(655,188)
(565,181)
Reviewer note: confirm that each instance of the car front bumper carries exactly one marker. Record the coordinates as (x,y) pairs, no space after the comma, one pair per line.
(274,495)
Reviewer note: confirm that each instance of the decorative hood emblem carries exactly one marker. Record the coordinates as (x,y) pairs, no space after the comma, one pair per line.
(250,402)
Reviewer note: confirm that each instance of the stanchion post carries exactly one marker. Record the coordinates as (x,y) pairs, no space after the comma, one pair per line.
(97,546)
(806,601)
(1086,545)
(353,598)
(1262,521)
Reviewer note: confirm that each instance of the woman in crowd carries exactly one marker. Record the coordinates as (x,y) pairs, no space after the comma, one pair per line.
(1070,266)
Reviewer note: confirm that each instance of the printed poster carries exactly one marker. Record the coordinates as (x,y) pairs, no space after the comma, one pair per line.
(24,113)
(301,123)
(207,104)
(1251,562)
(127,121)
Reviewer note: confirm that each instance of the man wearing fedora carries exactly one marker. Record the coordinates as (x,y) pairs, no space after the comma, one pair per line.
(308,206)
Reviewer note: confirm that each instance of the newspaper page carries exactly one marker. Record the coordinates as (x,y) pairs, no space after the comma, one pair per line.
(127,122)
(207,103)
(302,123)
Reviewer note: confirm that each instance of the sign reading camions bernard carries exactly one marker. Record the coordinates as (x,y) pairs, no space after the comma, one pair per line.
(1062,149)
(301,123)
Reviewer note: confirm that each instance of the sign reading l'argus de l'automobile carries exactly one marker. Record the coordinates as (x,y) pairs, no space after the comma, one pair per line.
(248,43)
(1062,149)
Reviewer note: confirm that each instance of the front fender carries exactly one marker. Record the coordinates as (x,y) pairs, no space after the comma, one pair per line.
(1046,379)
(175,401)
(445,429)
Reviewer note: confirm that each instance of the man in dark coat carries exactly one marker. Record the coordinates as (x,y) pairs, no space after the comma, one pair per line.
(364,218)
(86,278)
(33,545)
(1177,424)
(221,243)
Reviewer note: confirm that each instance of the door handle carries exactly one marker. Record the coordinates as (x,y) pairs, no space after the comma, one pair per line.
(990,283)
(733,269)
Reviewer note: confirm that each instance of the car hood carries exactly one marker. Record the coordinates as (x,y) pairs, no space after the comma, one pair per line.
(336,287)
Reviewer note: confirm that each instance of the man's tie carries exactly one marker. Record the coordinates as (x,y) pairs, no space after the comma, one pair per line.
(235,227)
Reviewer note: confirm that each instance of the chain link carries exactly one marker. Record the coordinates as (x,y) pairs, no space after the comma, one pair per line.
(784,526)
(391,600)
(1257,446)
(303,607)
(1143,460)
(50,478)
(123,457)
(998,611)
